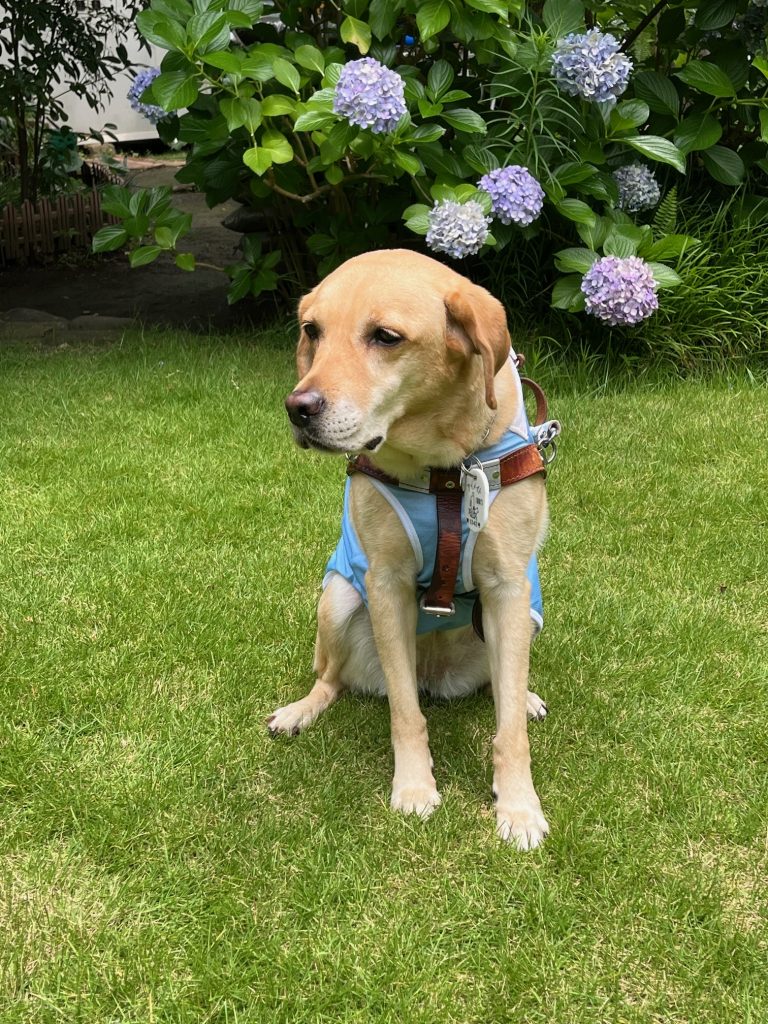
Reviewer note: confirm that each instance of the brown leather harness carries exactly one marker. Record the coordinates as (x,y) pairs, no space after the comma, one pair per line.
(446,485)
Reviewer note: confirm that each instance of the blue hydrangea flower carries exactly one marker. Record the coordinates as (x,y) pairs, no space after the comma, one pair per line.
(638,188)
(458,229)
(591,66)
(143,79)
(620,291)
(370,95)
(516,196)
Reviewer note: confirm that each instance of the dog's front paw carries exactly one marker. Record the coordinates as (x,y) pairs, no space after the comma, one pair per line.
(291,719)
(525,826)
(415,799)
(537,709)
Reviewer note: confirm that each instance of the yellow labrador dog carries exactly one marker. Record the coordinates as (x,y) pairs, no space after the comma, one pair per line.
(404,360)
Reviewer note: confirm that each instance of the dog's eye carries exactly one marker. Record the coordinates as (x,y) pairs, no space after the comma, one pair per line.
(311,330)
(383,336)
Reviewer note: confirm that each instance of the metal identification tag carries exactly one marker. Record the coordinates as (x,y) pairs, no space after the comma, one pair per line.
(476,490)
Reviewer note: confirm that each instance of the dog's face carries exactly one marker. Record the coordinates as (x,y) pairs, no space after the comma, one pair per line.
(385,337)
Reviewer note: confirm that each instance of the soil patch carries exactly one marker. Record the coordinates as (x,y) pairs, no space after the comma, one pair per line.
(156,294)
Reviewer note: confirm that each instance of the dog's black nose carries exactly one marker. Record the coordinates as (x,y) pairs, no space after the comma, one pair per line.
(302,405)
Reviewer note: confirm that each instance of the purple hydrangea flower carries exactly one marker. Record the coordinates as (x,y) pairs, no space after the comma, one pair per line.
(370,95)
(638,188)
(620,291)
(516,196)
(458,229)
(143,79)
(591,66)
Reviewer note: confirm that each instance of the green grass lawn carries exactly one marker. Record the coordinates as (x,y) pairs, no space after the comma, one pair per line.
(161,859)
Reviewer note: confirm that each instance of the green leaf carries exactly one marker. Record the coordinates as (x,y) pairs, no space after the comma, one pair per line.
(253,8)
(707,78)
(764,125)
(699,131)
(579,260)
(427,109)
(322,99)
(439,79)
(629,114)
(414,209)
(669,247)
(408,162)
(357,33)
(164,237)
(275,105)
(332,75)
(665,277)
(426,133)
(109,238)
(480,158)
(572,172)
(208,31)
(310,58)
(258,159)
(419,223)
(334,174)
(115,200)
(658,92)
(224,60)
(185,261)
(382,17)
(432,17)
(257,65)
(576,210)
(286,73)
(176,10)
(241,113)
(501,8)
(562,17)
(161,31)
(312,120)
(175,89)
(465,120)
(657,148)
(567,293)
(278,147)
(715,13)
(724,165)
(144,254)
(619,242)
(593,235)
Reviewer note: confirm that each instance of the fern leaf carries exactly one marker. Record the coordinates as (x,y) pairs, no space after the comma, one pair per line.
(665,220)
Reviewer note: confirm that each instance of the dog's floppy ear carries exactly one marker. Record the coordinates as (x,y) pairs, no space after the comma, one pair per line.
(477,323)
(304,355)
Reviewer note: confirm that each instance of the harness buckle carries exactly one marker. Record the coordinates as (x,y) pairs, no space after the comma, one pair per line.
(438,610)
(546,437)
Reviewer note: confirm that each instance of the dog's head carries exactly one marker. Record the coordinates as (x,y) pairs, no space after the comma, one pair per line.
(388,338)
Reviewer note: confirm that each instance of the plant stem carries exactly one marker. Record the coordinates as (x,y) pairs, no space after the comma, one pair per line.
(643,24)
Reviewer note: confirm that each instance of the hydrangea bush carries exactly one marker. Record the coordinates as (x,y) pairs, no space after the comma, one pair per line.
(457,126)
(140,83)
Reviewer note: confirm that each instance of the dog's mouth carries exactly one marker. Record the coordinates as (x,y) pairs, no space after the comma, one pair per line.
(306,440)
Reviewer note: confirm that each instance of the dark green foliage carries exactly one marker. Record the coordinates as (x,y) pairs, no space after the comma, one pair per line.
(261,124)
(49,47)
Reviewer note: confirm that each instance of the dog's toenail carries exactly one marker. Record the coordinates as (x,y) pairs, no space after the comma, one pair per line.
(295,730)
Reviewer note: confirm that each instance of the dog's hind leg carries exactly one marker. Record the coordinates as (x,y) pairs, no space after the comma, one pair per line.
(338,603)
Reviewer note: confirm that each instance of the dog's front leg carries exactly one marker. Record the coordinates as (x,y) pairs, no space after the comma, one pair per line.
(507,626)
(392,606)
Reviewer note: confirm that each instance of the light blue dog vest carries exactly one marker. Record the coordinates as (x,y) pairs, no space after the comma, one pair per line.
(417,511)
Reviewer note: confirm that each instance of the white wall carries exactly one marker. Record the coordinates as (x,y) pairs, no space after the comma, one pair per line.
(131,126)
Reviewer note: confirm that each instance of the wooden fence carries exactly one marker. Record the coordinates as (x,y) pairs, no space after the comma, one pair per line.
(51,226)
